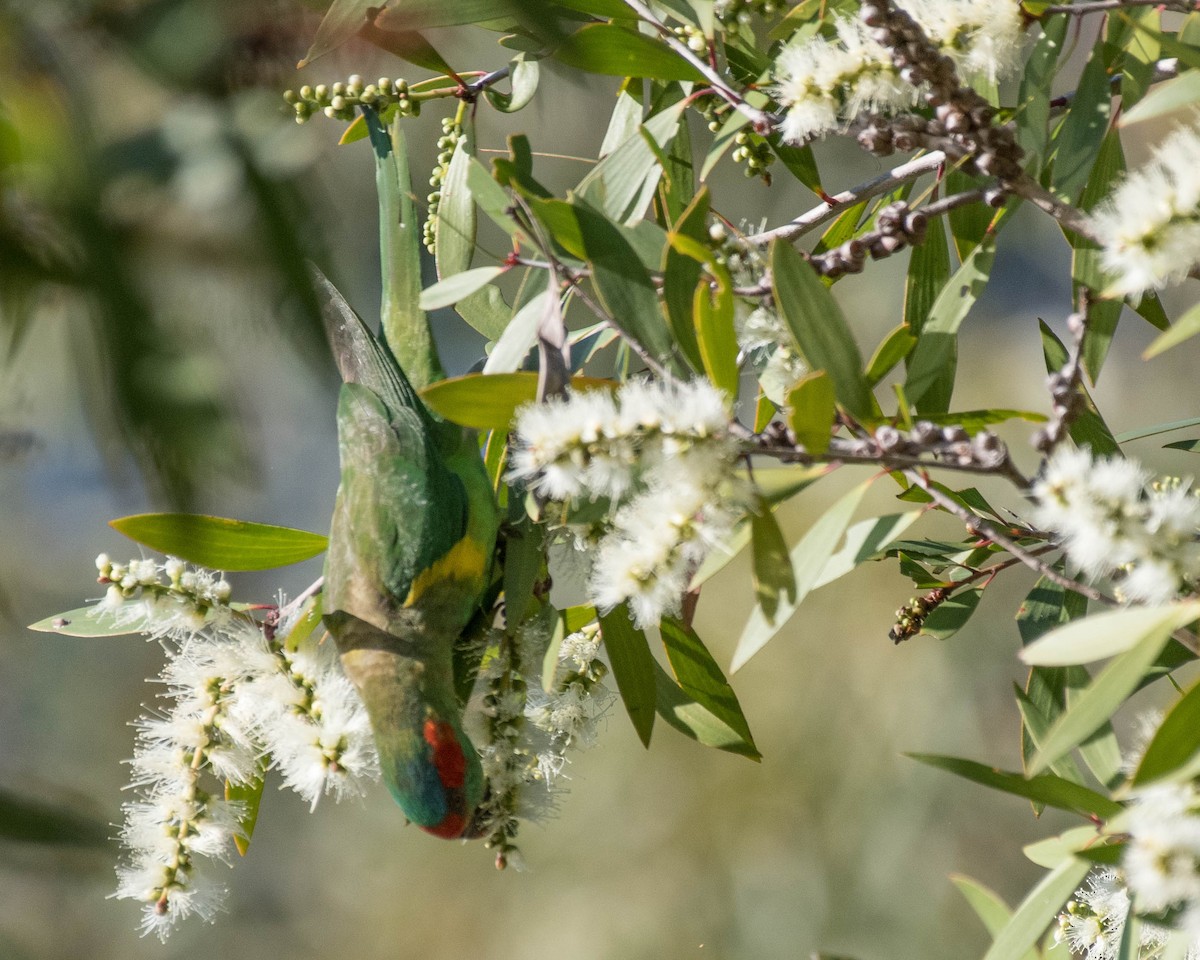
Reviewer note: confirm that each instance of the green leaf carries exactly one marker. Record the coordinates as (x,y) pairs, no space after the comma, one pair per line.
(808,559)
(715,333)
(928,274)
(622,184)
(897,345)
(303,626)
(1192,446)
(773,576)
(1183,329)
(1088,428)
(1142,432)
(492,198)
(1038,910)
(952,615)
(488,402)
(87,622)
(1107,634)
(865,540)
(1052,851)
(220,543)
(1033,111)
(621,281)
(633,668)
(693,719)
(520,336)
(969,224)
(988,906)
(1048,789)
(454,288)
(26,820)
(799,161)
(681,274)
(1081,133)
(820,330)
(931,365)
(407,45)
(454,232)
(811,405)
(701,679)
(1175,94)
(523,75)
(345,17)
(1086,266)
(1176,742)
(524,565)
(1102,698)
(405,327)
(620,51)
(1035,722)
(247,796)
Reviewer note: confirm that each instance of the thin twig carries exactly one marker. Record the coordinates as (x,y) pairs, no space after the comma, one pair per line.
(838,453)
(824,212)
(977,525)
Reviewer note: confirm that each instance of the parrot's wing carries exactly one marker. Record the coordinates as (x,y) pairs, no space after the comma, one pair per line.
(398,511)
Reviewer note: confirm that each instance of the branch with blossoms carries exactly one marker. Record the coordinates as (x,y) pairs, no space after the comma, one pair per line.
(659,380)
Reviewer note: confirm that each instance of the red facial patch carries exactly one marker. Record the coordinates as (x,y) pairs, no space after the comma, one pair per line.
(448,759)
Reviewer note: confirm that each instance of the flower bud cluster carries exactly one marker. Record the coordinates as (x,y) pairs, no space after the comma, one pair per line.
(693,38)
(753,150)
(879,63)
(927,48)
(1150,225)
(742,11)
(1113,522)
(452,133)
(910,618)
(338,100)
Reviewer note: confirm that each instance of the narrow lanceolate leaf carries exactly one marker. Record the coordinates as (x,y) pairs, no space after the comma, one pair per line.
(715,333)
(523,83)
(1035,914)
(488,401)
(1102,698)
(701,679)
(1182,329)
(454,232)
(693,719)
(1107,634)
(620,51)
(633,668)
(1048,789)
(866,540)
(454,288)
(773,575)
(247,796)
(1088,428)
(1052,851)
(928,274)
(1033,110)
(820,329)
(1081,133)
(808,559)
(1176,743)
(85,622)
(681,274)
(345,17)
(405,327)
(952,615)
(897,345)
(520,336)
(988,906)
(1176,94)
(811,403)
(931,365)
(220,543)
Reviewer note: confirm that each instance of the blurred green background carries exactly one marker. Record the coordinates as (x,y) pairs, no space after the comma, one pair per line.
(158,349)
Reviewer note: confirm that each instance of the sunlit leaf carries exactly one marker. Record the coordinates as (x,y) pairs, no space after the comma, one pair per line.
(488,401)
(617,50)
(220,543)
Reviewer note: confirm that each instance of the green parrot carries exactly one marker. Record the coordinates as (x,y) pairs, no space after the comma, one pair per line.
(409,565)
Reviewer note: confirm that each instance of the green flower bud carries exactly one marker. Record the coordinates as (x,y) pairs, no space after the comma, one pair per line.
(306,92)
(338,103)
(289,96)
(321,91)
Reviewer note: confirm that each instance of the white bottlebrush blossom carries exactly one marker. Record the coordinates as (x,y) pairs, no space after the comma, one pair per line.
(1094,920)
(237,703)
(823,83)
(1150,224)
(656,542)
(1114,521)
(1162,857)
(658,457)
(530,731)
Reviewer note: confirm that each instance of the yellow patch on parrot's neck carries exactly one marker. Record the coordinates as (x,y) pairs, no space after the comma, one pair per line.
(465,561)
